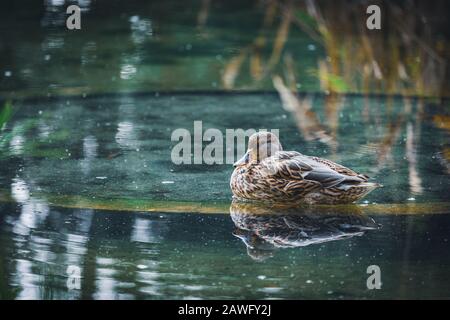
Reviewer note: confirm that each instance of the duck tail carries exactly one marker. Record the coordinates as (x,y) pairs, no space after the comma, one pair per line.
(370,186)
(367,187)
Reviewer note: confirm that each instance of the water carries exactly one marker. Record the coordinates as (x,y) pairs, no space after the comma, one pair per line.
(93,207)
(156,256)
(120,146)
(214,45)
(77,156)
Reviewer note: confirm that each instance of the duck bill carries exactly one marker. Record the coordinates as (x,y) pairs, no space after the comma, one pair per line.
(244,160)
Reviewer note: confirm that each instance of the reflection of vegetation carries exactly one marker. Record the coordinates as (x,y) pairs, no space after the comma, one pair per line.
(21,138)
(405,57)
(305,118)
(240,44)
(5,113)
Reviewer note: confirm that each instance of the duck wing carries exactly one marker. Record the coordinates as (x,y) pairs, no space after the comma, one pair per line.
(296,166)
(286,165)
(285,171)
(339,168)
(331,174)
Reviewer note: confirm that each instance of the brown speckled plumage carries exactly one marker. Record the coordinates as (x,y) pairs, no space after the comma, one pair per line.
(266,173)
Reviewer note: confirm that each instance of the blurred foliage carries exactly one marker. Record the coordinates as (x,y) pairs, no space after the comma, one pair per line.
(406,57)
(225,45)
(5,113)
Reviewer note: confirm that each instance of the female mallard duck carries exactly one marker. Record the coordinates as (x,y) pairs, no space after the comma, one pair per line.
(267,173)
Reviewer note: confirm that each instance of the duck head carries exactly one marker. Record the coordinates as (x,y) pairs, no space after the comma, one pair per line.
(261,145)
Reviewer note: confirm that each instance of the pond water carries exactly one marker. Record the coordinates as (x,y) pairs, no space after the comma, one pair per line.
(65,161)
(93,207)
(179,255)
(119,147)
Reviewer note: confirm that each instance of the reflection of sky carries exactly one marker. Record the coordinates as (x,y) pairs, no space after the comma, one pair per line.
(27,280)
(53,42)
(33,210)
(127,71)
(16,144)
(89,53)
(46,242)
(143,231)
(19,191)
(44,130)
(90,146)
(126,256)
(141,29)
(126,135)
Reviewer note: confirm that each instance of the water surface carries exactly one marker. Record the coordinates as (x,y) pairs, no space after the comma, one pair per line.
(182,256)
(93,207)
(61,158)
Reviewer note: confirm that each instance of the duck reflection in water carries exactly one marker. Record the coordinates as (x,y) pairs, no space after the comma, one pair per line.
(265,228)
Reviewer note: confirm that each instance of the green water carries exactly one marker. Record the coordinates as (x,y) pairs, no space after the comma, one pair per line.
(118,148)
(155,256)
(87,182)
(135,47)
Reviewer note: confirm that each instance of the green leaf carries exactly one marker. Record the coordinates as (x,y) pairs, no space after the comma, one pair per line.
(5,113)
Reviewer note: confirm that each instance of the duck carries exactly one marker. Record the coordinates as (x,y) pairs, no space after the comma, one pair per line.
(267,173)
